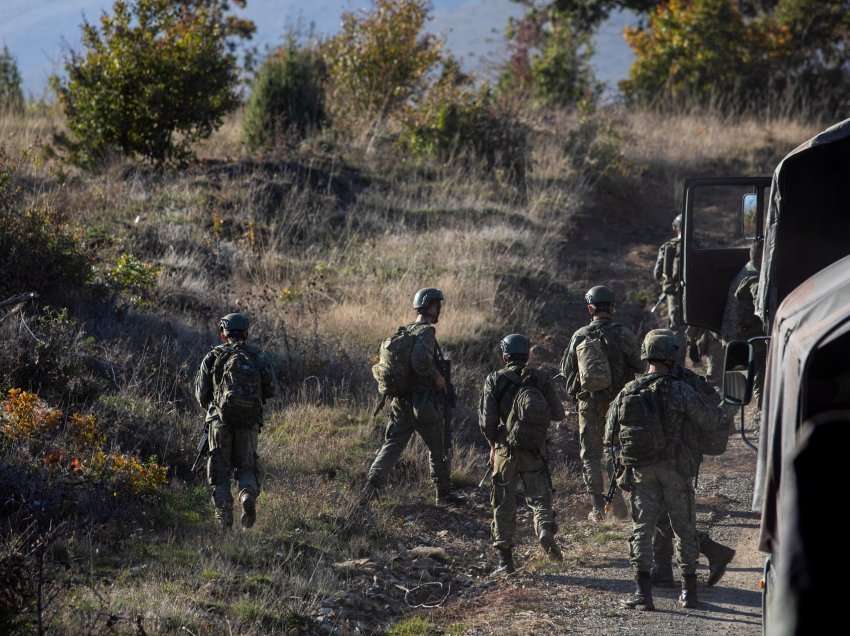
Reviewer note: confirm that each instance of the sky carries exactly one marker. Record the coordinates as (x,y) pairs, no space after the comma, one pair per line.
(39,32)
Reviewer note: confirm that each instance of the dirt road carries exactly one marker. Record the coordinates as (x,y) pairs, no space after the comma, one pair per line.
(582,595)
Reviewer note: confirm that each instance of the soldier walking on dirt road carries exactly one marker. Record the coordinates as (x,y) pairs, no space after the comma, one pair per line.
(650,421)
(517,405)
(233,383)
(416,391)
(600,359)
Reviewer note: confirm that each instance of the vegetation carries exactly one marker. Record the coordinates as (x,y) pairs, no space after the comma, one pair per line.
(156,77)
(287,97)
(11,91)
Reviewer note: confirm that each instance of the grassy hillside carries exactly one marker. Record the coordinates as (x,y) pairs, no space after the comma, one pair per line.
(323,246)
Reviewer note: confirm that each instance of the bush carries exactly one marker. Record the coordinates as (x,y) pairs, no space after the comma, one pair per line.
(456,122)
(286,97)
(158,76)
(380,59)
(11,93)
(36,249)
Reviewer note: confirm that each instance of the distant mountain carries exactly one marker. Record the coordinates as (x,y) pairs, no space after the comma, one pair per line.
(38,32)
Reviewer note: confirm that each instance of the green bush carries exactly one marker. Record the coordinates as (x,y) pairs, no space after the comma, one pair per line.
(11,94)
(156,77)
(380,59)
(453,122)
(286,97)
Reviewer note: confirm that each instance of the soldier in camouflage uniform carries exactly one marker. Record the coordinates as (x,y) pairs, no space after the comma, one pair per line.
(422,412)
(232,446)
(512,465)
(667,272)
(739,316)
(624,360)
(661,483)
(719,556)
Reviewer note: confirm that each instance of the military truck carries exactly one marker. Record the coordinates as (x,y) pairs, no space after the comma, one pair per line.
(802,217)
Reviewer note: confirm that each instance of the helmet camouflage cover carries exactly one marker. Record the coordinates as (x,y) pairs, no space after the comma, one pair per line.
(660,344)
(426,296)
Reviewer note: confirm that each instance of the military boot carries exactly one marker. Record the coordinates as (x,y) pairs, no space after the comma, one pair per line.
(688,597)
(719,556)
(506,562)
(662,575)
(249,509)
(598,513)
(642,598)
(550,546)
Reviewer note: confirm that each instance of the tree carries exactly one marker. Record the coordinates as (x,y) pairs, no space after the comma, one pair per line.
(157,76)
(11,94)
(380,58)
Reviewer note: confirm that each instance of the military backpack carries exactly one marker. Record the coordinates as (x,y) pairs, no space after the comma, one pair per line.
(594,368)
(529,418)
(643,438)
(711,435)
(393,372)
(670,262)
(238,393)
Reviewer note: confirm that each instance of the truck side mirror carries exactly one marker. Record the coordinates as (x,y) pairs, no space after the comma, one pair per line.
(748,220)
(738,373)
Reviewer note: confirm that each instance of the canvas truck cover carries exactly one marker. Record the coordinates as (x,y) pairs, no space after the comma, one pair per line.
(803,321)
(807,224)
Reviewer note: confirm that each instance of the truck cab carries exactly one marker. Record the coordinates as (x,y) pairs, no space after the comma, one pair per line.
(801,217)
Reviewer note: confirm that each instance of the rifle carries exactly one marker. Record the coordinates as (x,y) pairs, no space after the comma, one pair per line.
(486,476)
(445,368)
(661,298)
(616,464)
(203,447)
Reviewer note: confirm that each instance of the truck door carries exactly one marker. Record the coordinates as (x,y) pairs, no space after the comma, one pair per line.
(722,217)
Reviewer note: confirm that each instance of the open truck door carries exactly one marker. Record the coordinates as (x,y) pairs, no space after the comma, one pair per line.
(722,217)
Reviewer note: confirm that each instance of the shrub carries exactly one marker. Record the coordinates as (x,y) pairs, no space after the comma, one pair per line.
(286,96)
(11,94)
(456,121)
(133,276)
(36,248)
(156,77)
(380,59)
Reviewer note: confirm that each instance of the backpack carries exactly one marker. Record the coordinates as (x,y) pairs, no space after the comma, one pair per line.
(671,259)
(711,435)
(641,416)
(393,372)
(529,419)
(238,394)
(594,369)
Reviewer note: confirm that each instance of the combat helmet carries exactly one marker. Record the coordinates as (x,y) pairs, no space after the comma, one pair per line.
(515,344)
(677,223)
(426,296)
(235,323)
(599,295)
(660,344)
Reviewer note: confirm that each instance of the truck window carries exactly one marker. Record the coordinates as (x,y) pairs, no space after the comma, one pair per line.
(723,216)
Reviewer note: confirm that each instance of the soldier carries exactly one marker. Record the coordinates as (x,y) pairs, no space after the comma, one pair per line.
(517,405)
(649,421)
(233,383)
(422,410)
(600,359)
(739,316)
(719,556)
(668,273)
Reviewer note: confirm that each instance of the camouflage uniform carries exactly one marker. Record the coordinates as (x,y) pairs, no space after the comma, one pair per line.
(740,321)
(231,448)
(665,486)
(422,412)
(512,465)
(671,282)
(663,541)
(624,358)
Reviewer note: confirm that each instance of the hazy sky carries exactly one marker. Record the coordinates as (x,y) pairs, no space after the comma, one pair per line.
(39,31)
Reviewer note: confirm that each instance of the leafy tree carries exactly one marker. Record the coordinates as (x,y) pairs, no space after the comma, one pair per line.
(157,76)
(380,58)
(11,93)
(287,96)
